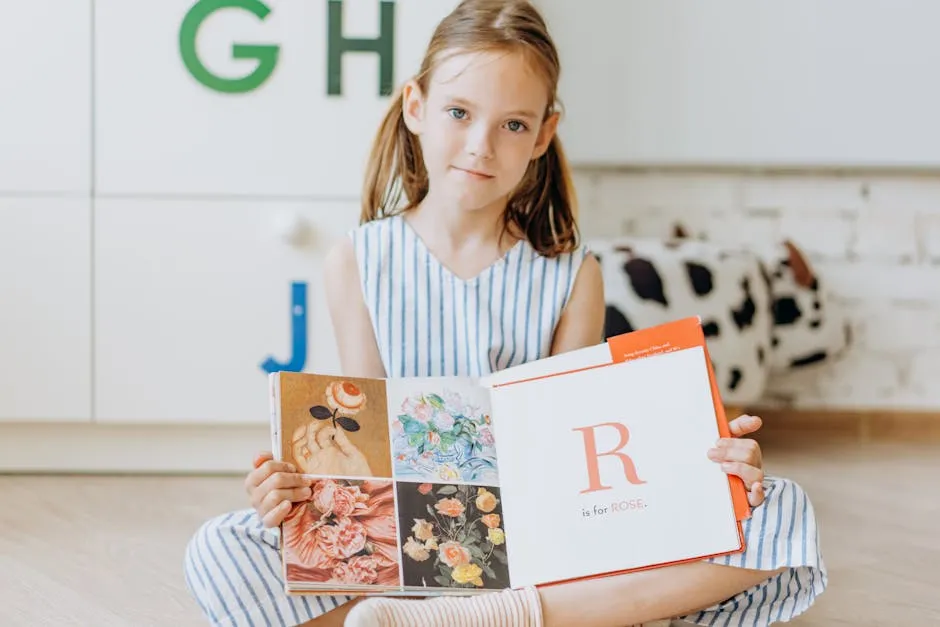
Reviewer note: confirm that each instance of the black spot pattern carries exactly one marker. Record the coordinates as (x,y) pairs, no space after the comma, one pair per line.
(700,278)
(736,376)
(645,280)
(815,324)
(760,355)
(744,315)
(812,358)
(786,311)
(711,328)
(775,341)
(615,323)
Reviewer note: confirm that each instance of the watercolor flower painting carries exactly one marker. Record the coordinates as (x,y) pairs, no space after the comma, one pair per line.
(453,537)
(346,533)
(443,438)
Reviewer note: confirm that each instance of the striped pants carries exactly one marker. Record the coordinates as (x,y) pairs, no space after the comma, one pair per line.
(232,568)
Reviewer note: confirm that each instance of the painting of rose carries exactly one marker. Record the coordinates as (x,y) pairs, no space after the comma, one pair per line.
(441,436)
(335,427)
(345,534)
(452,536)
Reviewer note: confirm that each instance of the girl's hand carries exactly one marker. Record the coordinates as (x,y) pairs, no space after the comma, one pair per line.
(273,486)
(742,457)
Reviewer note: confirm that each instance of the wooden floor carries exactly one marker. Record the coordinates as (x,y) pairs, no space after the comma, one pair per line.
(107,551)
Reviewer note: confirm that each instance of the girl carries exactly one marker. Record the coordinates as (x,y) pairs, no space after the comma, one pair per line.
(478,267)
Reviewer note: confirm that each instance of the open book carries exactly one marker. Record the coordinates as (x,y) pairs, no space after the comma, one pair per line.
(584,464)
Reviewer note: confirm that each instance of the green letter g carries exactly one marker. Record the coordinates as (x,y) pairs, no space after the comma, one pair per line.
(265,55)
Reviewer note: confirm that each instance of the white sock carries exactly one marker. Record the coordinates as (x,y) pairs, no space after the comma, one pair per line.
(507,608)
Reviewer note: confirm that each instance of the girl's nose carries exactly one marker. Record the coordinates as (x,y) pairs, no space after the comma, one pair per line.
(479,143)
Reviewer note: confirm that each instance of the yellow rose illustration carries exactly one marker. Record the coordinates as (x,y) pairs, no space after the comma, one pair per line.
(496,536)
(486,500)
(468,573)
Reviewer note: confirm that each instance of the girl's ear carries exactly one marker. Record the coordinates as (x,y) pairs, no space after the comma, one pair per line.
(546,133)
(413,107)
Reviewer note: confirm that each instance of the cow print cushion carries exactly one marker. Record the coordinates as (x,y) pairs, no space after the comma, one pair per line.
(763,312)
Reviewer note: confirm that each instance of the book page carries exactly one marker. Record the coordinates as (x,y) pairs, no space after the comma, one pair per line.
(407,491)
(447,480)
(619,477)
(336,428)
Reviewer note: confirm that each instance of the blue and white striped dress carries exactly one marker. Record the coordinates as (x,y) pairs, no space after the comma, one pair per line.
(429,322)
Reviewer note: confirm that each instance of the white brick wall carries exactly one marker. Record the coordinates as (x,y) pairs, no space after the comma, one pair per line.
(875,240)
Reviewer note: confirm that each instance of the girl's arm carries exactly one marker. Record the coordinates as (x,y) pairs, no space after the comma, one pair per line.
(582,321)
(358,351)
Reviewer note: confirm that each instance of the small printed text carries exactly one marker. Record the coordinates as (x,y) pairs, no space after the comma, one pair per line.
(615,507)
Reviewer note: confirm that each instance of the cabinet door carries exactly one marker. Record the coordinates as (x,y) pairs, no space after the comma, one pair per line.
(173,93)
(197,300)
(45,96)
(45,316)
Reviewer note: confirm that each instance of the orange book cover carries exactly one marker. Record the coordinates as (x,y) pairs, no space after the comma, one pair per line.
(580,465)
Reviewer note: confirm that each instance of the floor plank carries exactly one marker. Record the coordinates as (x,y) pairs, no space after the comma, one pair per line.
(107,551)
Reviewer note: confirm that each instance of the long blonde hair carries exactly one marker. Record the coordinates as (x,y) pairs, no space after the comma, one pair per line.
(543,208)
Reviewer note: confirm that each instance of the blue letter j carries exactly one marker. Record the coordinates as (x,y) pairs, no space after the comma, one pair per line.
(298,333)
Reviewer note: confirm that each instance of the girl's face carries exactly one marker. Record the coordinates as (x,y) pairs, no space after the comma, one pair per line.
(479,124)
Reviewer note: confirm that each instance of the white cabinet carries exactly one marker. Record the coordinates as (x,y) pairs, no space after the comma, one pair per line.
(159,130)
(191,297)
(45,310)
(45,96)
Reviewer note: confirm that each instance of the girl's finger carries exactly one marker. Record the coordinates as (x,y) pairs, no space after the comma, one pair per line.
(743,425)
(748,474)
(260,458)
(755,495)
(276,516)
(285,481)
(291,495)
(746,451)
(265,471)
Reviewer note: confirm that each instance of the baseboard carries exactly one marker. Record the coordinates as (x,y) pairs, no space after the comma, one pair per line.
(861,426)
(94,448)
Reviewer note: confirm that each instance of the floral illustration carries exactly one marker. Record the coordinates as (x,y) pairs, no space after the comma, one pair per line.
(443,438)
(344,400)
(455,539)
(345,534)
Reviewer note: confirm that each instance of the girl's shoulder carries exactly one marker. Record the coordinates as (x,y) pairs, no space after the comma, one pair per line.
(573,257)
(374,231)
(384,223)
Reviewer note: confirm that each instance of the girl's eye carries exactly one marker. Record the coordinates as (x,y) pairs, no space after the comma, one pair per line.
(457,113)
(516,126)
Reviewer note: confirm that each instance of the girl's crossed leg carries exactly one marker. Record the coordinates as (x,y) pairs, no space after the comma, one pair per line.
(233,570)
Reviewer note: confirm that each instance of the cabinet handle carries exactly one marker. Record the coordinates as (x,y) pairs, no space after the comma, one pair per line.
(291,228)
